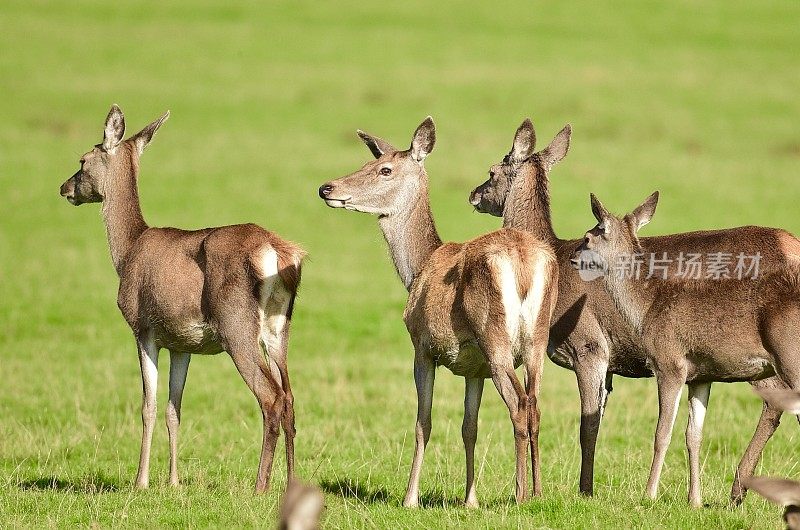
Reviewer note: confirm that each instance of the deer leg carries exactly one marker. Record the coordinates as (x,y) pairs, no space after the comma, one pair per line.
(767,424)
(148,362)
(287,420)
(533,378)
(252,366)
(473,391)
(698,402)
(424,374)
(276,345)
(178,368)
(669,392)
(591,385)
(516,399)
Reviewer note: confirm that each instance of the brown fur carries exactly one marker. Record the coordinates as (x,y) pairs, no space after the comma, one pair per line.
(721,330)
(194,292)
(301,507)
(588,334)
(462,312)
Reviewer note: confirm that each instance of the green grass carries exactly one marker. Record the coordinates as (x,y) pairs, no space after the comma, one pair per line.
(698,100)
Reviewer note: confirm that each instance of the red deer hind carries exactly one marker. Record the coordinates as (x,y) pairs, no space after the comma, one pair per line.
(230,288)
(588,334)
(696,332)
(479,308)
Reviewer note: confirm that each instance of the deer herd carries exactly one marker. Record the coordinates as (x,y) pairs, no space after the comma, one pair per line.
(482,308)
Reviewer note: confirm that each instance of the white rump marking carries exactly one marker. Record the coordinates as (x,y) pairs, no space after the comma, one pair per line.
(269,272)
(275,299)
(532,304)
(511,302)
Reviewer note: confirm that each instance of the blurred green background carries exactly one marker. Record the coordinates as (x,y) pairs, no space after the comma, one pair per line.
(696,99)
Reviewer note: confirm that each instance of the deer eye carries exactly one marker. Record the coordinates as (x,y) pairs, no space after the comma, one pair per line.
(386,171)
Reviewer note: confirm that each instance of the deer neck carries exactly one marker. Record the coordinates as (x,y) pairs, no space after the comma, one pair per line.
(122,213)
(632,297)
(412,237)
(528,204)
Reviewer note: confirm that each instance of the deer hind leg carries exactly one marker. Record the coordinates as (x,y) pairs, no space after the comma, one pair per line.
(498,352)
(424,374)
(473,391)
(698,402)
(669,393)
(178,369)
(148,361)
(516,399)
(767,424)
(534,363)
(241,340)
(275,322)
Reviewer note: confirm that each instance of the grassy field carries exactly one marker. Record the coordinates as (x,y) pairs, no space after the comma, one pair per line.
(699,100)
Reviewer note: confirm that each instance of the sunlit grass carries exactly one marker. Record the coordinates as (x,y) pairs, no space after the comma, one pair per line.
(697,100)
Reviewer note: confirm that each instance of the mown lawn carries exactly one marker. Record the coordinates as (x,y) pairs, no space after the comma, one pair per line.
(698,100)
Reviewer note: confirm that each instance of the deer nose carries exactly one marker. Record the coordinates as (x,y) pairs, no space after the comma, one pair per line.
(474,198)
(325,190)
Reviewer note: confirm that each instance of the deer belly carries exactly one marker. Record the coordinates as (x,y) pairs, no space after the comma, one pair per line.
(702,368)
(189,337)
(466,360)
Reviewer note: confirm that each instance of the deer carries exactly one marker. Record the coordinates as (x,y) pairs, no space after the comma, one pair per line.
(588,334)
(301,507)
(695,331)
(781,491)
(229,288)
(479,308)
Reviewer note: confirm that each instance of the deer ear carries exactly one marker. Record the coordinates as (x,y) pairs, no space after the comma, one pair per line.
(524,142)
(143,137)
(378,146)
(424,138)
(114,130)
(599,211)
(645,211)
(557,150)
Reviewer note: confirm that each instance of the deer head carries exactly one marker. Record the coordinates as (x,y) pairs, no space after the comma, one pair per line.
(613,236)
(101,165)
(391,183)
(490,197)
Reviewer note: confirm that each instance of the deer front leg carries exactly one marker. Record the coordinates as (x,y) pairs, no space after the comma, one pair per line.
(148,362)
(178,368)
(669,392)
(698,401)
(424,374)
(473,391)
(591,378)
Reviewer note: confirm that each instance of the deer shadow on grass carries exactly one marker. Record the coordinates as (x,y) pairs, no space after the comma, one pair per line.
(353,489)
(89,484)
